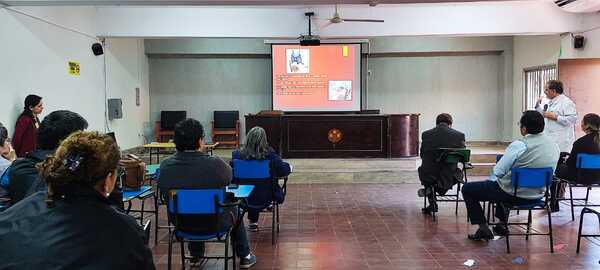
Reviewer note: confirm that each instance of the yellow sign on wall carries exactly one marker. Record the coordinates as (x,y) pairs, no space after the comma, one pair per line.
(345,50)
(74,68)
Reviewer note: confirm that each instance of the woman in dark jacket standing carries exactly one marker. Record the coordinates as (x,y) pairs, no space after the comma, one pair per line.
(256,147)
(24,137)
(72,225)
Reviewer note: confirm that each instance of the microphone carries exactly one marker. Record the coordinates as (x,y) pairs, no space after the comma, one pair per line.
(545,107)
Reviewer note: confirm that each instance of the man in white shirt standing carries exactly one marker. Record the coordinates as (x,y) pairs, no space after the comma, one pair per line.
(559,114)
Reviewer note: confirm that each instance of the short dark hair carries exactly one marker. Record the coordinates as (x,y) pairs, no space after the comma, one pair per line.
(57,126)
(187,134)
(532,121)
(555,85)
(443,118)
(3,134)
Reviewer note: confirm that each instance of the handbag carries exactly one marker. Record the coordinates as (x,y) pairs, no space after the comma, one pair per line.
(135,172)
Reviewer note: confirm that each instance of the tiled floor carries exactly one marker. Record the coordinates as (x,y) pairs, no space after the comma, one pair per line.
(380,226)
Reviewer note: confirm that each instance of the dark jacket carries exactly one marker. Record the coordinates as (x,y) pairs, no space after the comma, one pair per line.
(24,179)
(80,232)
(432,171)
(24,138)
(195,170)
(262,195)
(568,170)
(280,167)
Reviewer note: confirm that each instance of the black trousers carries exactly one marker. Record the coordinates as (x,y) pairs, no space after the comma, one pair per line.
(488,191)
(239,237)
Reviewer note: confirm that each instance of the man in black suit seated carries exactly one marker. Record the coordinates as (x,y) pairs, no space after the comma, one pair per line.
(436,175)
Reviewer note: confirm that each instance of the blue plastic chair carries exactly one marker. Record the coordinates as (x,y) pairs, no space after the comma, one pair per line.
(531,178)
(258,173)
(585,164)
(208,203)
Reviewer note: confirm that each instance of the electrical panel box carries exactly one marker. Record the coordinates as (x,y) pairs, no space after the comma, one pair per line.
(115,108)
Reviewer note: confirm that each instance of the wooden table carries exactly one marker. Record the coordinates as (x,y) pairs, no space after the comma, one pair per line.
(155,148)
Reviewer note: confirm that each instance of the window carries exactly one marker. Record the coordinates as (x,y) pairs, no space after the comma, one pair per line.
(535,79)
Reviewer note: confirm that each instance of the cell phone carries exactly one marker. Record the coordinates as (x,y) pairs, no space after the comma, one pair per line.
(233,186)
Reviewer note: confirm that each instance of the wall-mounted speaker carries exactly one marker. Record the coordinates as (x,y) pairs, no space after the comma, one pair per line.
(97,49)
(578,42)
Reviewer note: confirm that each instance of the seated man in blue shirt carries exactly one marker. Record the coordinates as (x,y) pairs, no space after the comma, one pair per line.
(534,150)
(191,168)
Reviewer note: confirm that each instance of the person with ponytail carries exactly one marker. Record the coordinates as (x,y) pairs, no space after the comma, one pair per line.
(588,144)
(72,225)
(256,147)
(24,137)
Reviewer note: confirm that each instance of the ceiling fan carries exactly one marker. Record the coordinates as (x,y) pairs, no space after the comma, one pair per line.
(338,19)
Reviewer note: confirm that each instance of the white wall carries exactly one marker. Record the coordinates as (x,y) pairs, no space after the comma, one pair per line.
(530,51)
(473,18)
(34,60)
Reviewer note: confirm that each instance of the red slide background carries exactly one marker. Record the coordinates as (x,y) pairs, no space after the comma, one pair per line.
(327,60)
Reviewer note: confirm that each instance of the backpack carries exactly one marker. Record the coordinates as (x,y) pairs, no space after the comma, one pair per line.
(135,172)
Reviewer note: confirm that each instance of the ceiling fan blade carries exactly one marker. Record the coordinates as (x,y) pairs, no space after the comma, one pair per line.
(363,20)
(325,25)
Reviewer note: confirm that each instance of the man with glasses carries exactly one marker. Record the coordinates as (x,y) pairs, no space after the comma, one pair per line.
(560,116)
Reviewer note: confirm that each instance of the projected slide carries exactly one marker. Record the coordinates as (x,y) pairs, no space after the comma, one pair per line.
(319,78)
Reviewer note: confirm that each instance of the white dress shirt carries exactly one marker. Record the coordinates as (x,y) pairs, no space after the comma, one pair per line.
(562,130)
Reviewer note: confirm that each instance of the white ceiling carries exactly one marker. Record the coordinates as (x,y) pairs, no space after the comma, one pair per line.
(216,2)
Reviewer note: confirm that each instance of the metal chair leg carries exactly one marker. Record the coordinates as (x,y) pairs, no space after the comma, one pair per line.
(273,219)
(170,251)
(227,252)
(550,229)
(571,198)
(182,255)
(457,195)
(156,211)
(507,231)
(528,225)
(583,211)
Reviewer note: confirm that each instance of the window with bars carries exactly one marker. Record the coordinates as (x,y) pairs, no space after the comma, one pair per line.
(535,79)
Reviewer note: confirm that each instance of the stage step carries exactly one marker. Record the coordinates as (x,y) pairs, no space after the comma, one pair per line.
(354,170)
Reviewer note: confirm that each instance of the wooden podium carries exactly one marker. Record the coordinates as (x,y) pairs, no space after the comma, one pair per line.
(340,135)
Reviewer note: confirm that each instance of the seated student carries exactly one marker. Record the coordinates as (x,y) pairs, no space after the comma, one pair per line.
(434,175)
(589,144)
(534,150)
(7,153)
(189,168)
(55,127)
(256,147)
(73,225)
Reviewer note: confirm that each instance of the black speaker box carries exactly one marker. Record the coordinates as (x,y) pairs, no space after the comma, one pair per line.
(97,49)
(578,42)
(310,42)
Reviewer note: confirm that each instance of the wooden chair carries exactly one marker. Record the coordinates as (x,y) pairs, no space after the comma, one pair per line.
(166,125)
(160,133)
(226,128)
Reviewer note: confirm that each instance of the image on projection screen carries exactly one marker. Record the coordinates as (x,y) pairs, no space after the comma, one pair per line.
(319,78)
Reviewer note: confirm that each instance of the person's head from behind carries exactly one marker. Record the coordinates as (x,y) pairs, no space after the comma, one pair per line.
(33,105)
(532,122)
(590,123)
(83,160)
(256,145)
(553,88)
(444,118)
(57,126)
(189,135)
(3,135)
